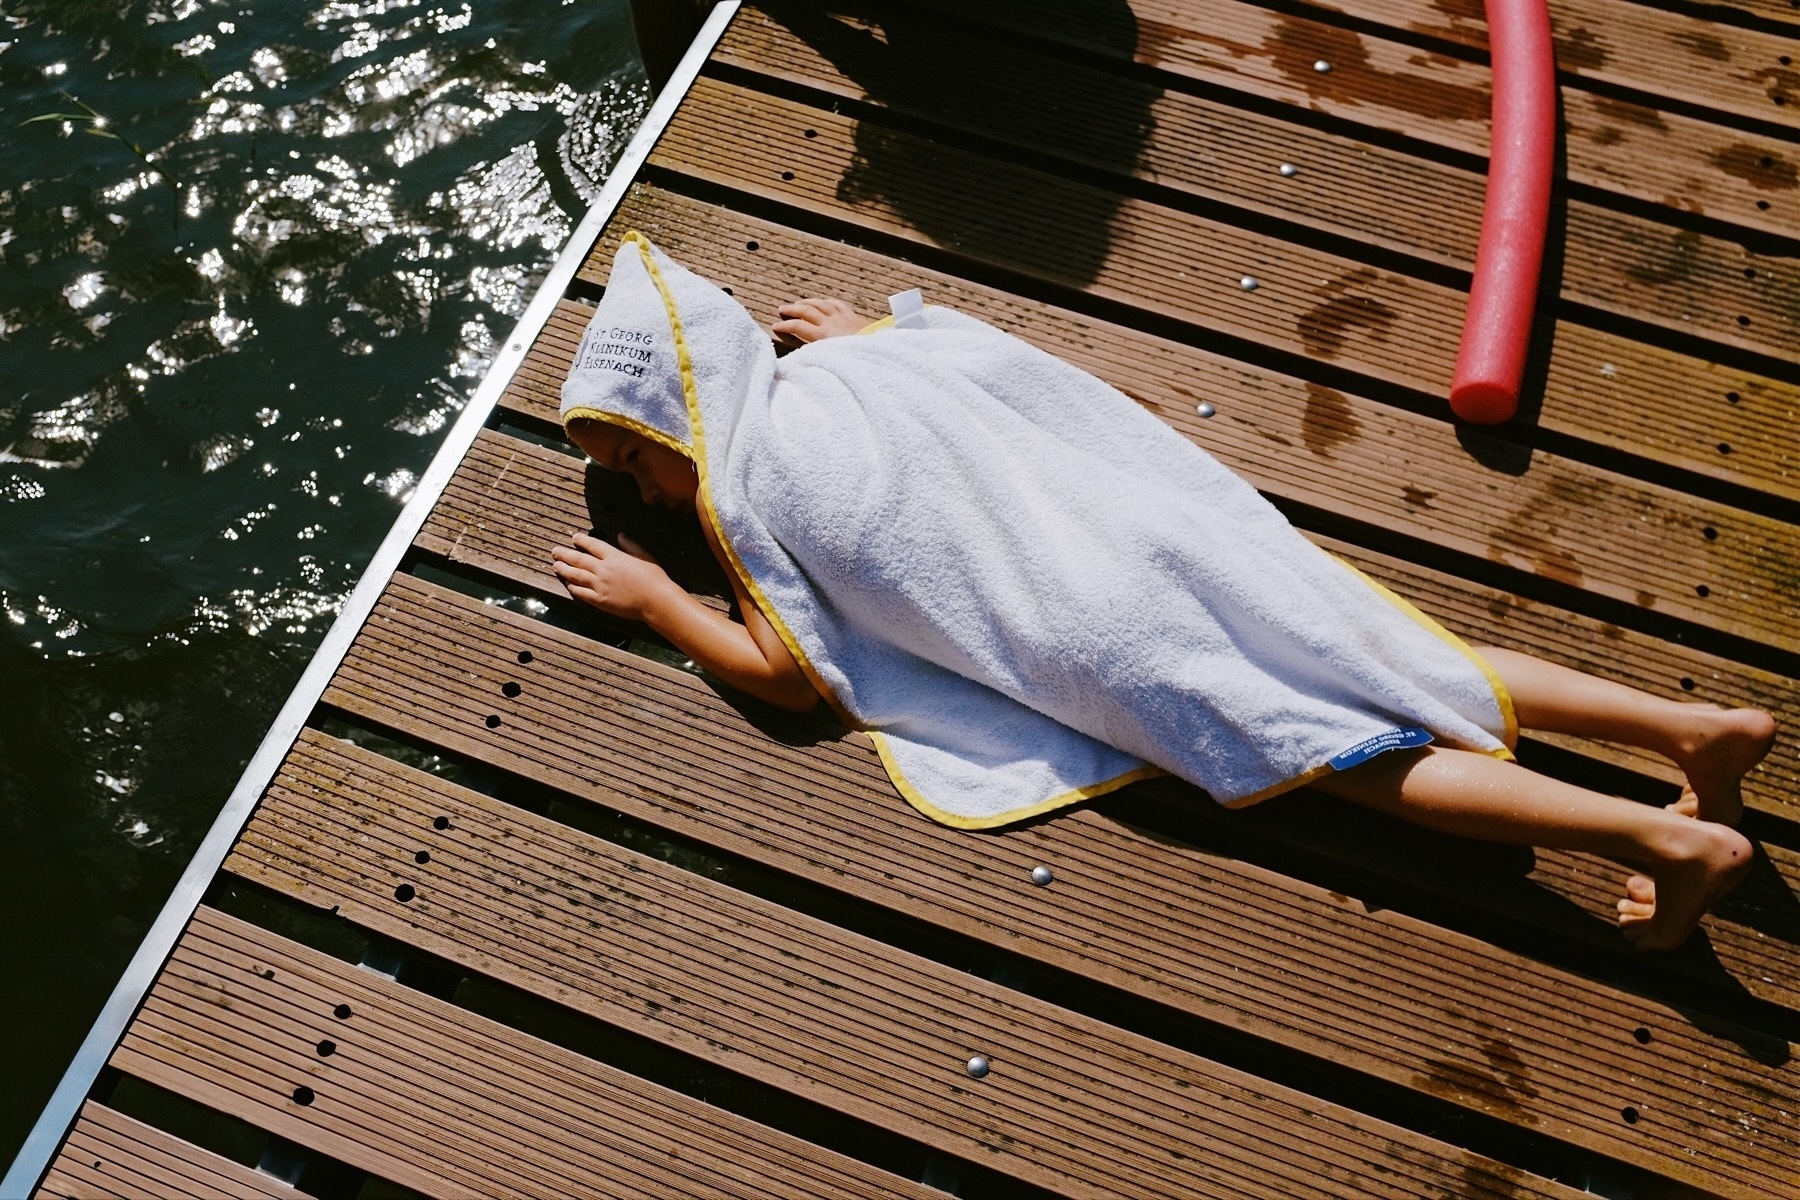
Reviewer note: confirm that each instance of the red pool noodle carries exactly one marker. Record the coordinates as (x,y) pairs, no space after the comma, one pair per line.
(1497,327)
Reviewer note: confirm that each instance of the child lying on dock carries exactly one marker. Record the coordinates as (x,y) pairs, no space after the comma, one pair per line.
(1030,592)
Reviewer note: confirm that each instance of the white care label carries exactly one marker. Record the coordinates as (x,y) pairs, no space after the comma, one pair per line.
(616,348)
(908,308)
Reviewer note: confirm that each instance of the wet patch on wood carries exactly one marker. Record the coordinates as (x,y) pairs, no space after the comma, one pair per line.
(1327,328)
(1579,50)
(1329,420)
(1758,166)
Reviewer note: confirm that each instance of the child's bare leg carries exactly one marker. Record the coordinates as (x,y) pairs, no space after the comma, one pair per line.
(1713,746)
(1692,863)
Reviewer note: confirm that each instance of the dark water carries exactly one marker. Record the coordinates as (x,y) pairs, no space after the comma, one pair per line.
(220,372)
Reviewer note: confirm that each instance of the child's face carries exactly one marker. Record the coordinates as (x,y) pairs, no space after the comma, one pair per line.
(664,476)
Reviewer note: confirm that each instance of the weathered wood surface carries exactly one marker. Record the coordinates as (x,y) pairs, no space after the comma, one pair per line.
(110,1156)
(1096,178)
(1172,265)
(1099,123)
(512,501)
(1768,10)
(438,1099)
(853,1023)
(1631,149)
(1746,72)
(1222,940)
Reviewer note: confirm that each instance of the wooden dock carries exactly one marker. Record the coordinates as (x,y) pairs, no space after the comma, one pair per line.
(514,904)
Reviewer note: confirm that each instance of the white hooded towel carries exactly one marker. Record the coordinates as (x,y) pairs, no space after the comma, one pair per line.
(1028,590)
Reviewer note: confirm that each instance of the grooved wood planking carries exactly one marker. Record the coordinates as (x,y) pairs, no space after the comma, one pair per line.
(1164,264)
(1769,10)
(1630,149)
(1746,72)
(1140,95)
(1247,947)
(1555,517)
(498,477)
(109,1154)
(511,501)
(1099,122)
(807,1006)
(439,1099)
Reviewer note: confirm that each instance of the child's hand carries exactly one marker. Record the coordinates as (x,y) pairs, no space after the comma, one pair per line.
(622,580)
(813,320)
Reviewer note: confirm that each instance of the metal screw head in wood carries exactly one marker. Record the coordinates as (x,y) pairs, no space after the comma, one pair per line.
(1289,170)
(1249,283)
(1042,876)
(1205,409)
(977,1067)
(1321,66)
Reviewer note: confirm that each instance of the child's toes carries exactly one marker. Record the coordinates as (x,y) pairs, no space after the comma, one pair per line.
(1634,915)
(1638,905)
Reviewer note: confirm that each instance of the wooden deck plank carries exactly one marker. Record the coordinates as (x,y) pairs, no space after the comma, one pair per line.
(1563,520)
(658,744)
(436,1098)
(1667,54)
(785,1043)
(1787,11)
(527,1111)
(441,1100)
(533,902)
(1098,121)
(1173,265)
(1664,158)
(511,501)
(494,476)
(109,1154)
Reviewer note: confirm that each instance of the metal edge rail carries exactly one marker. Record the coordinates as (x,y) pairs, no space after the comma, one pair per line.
(52,1126)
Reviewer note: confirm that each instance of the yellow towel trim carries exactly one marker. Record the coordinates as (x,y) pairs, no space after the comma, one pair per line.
(697,430)
(1061,800)
(691,393)
(1286,785)
(624,422)
(1502,697)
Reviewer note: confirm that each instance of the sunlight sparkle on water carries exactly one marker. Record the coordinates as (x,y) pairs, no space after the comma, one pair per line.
(239,349)
(84,291)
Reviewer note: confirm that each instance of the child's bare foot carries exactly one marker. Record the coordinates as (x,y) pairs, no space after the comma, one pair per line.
(1700,863)
(1723,744)
(814,320)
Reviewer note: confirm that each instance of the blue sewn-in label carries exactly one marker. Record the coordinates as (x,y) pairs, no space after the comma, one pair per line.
(1404,738)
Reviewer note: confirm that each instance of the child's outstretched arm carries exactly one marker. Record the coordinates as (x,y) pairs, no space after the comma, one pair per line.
(625,581)
(814,320)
